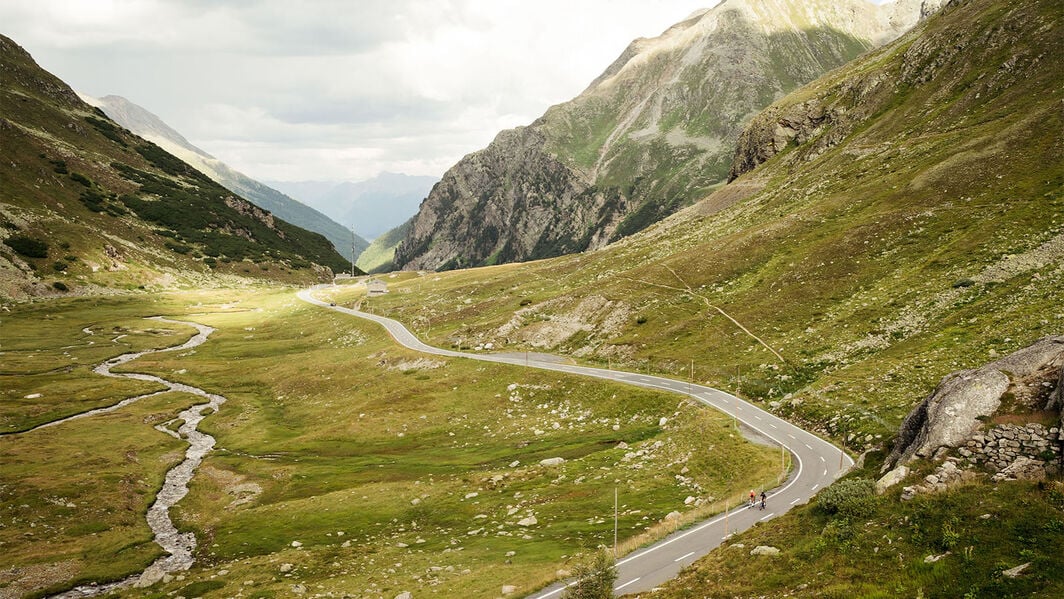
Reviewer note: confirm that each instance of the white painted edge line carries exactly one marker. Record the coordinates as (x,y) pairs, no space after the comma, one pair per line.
(619,587)
(683,557)
(796,501)
(767,517)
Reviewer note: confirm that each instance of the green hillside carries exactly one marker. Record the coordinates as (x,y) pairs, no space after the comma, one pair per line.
(380,255)
(85,203)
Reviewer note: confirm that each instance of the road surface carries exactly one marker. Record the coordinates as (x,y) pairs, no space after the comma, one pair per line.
(817,463)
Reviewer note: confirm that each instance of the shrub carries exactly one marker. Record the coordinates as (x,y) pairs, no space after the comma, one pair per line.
(851,497)
(60,286)
(180,248)
(28,246)
(594,579)
(80,178)
(60,266)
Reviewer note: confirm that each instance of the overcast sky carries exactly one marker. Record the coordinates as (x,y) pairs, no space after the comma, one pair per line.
(331,89)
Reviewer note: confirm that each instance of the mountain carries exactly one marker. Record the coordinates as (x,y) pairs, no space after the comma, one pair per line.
(372,207)
(147,125)
(654,133)
(87,204)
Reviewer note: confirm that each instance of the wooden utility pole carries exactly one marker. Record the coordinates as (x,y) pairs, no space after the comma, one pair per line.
(615,522)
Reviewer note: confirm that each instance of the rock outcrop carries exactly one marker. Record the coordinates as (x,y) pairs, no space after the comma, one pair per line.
(654,133)
(835,108)
(955,411)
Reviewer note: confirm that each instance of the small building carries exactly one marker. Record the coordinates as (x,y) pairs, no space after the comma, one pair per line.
(376,287)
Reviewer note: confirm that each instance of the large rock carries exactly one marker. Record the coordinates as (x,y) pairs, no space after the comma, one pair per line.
(891,478)
(952,413)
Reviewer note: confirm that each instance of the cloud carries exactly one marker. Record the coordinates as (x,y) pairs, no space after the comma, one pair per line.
(332,89)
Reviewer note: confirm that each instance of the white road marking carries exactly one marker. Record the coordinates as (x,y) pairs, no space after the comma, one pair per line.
(756,416)
(825,471)
(791,436)
(815,487)
(683,557)
(768,516)
(808,446)
(796,501)
(772,425)
(822,459)
(626,584)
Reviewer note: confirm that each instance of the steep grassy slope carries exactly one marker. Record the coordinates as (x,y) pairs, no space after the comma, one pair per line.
(653,134)
(149,126)
(85,203)
(929,234)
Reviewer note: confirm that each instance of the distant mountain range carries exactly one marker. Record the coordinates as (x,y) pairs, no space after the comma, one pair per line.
(372,207)
(149,126)
(654,133)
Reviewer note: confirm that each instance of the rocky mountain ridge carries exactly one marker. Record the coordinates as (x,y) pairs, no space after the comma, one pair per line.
(654,133)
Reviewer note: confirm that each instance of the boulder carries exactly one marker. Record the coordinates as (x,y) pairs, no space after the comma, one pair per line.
(529,521)
(1014,572)
(891,478)
(950,415)
(508,589)
(552,462)
(764,550)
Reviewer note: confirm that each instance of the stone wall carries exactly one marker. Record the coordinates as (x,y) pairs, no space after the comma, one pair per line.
(1003,445)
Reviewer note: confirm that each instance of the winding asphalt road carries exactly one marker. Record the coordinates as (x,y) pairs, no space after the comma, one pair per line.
(817,463)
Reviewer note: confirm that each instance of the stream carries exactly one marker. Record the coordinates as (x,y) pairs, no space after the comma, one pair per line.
(178,546)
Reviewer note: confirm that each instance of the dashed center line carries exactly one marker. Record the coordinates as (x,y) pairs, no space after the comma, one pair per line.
(768,516)
(683,557)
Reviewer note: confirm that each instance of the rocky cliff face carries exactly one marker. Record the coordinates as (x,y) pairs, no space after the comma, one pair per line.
(836,107)
(652,134)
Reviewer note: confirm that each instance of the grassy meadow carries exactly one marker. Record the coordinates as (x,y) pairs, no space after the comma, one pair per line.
(344,464)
